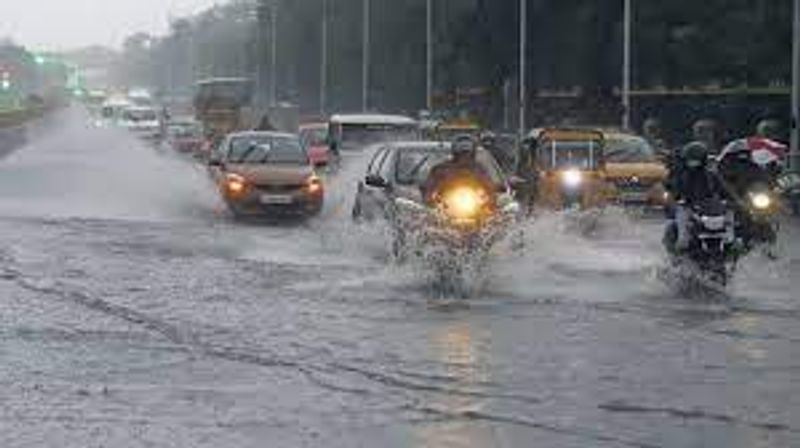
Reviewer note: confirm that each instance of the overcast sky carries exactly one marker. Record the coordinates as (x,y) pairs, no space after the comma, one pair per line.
(64,24)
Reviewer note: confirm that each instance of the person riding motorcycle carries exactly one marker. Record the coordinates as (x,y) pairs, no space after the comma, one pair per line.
(749,168)
(691,182)
(461,170)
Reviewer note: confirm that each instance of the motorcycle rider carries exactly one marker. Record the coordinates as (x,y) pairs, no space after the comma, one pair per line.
(747,165)
(462,168)
(691,182)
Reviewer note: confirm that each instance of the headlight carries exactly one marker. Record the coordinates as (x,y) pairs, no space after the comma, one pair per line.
(464,202)
(761,201)
(235,184)
(572,178)
(314,185)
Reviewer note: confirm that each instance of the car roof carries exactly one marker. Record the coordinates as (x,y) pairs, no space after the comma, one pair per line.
(307,126)
(371,119)
(261,134)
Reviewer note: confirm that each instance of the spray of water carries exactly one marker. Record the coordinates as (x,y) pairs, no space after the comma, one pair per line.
(73,170)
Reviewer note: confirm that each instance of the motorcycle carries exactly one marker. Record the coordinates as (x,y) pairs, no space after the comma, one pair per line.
(758,221)
(455,233)
(714,247)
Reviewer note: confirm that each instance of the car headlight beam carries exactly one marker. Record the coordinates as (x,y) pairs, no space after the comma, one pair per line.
(761,201)
(463,203)
(572,178)
(235,184)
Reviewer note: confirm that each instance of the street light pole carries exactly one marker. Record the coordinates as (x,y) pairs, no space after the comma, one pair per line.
(626,66)
(795,116)
(523,61)
(429,57)
(323,74)
(273,88)
(365,57)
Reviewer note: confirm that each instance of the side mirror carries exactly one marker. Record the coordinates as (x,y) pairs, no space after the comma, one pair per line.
(376,181)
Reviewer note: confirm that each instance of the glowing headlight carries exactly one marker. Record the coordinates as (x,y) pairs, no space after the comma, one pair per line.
(761,201)
(235,183)
(314,185)
(572,178)
(463,203)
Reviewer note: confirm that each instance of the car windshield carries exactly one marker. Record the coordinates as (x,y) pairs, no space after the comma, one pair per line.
(140,115)
(356,136)
(266,149)
(554,154)
(629,150)
(313,136)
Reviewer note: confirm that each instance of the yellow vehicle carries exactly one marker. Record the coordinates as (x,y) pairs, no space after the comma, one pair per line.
(634,172)
(447,131)
(568,168)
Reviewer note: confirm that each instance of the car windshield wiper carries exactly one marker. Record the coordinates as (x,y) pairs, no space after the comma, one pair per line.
(246,154)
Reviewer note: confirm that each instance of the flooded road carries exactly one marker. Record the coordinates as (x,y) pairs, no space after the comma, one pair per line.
(135,312)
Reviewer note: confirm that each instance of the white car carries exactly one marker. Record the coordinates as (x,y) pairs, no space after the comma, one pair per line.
(144,122)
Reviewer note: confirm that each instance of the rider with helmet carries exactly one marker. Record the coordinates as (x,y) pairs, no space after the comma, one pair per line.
(461,169)
(691,182)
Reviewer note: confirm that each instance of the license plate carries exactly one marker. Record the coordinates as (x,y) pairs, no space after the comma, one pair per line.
(276,199)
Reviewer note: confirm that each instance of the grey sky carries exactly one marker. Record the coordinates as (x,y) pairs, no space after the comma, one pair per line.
(60,24)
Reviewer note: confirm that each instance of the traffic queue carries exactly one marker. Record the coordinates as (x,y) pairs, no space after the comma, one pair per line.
(454,186)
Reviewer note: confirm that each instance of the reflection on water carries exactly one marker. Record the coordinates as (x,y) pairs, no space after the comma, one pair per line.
(455,346)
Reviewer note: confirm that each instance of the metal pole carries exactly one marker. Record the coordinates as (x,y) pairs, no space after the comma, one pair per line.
(795,116)
(523,61)
(323,75)
(626,67)
(429,56)
(273,88)
(365,57)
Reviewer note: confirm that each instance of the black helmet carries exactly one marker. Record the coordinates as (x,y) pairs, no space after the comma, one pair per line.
(695,155)
(488,139)
(464,145)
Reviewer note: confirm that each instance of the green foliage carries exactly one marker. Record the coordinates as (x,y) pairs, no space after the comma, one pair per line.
(573,44)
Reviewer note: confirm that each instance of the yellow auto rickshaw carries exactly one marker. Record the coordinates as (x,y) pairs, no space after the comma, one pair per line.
(567,168)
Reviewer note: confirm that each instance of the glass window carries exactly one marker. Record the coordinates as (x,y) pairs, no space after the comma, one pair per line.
(357,136)
(261,149)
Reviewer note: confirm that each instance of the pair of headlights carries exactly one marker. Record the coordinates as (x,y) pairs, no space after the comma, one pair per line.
(236,184)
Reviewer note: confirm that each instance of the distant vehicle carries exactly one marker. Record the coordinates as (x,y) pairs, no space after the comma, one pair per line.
(223,105)
(314,137)
(347,133)
(634,171)
(143,122)
(568,166)
(141,97)
(185,136)
(112,111)
(266,173)
(446,131)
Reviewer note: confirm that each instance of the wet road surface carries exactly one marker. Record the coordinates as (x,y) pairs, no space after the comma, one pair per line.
(134,312)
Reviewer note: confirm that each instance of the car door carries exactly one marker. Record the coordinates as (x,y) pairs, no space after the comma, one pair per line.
(372,198)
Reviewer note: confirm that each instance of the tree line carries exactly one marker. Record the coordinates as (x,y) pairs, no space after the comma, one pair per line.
(574,45)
